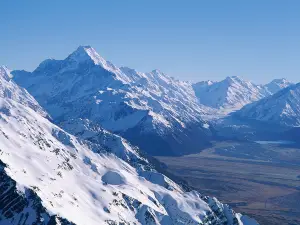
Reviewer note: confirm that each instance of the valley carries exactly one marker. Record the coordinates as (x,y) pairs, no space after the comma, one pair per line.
(260,180)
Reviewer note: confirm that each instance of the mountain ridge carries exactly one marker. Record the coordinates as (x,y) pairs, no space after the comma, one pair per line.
(233,93)
(282,108)
(121,100)
(54,178)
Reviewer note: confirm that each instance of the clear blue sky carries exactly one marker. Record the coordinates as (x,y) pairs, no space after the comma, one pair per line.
(191,40)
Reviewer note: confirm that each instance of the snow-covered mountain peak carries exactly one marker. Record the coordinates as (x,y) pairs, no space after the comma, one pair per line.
(86,53)
(280,81)
(234,92)
(281,108)
(276,85)
(231,93)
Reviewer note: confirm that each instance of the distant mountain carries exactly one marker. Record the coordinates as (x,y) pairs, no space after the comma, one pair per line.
(277,85)
(154,111)
(231,93)
(234,92)
(50,177)
(282,108)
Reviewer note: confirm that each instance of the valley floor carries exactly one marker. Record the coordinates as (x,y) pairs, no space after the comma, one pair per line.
(257,184)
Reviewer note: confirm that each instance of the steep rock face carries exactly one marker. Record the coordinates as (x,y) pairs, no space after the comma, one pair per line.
(121,100)
(282,108)
(46,172)
(233,93)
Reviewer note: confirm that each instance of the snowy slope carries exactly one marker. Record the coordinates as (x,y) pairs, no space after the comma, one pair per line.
(9,89)
(282,108)
(234,92)
(50,177)
(121,100)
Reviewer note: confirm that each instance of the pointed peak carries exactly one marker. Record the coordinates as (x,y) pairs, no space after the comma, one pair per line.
(84,53)
(86,49)
(277,84)
(88,54)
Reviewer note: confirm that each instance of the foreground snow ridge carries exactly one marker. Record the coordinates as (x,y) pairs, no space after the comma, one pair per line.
(49,176)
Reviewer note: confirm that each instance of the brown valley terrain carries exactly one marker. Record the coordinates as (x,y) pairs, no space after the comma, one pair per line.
(261,180)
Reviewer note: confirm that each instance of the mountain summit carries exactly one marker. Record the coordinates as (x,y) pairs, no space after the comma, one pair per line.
(231,93)
(86,54)
(276,85)
(282,108)
(234,92)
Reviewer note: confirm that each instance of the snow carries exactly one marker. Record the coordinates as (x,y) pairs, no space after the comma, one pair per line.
(282,108)
(92,190)
(90,176)
(86,86)
(89,182)
(234,92)
(276,85)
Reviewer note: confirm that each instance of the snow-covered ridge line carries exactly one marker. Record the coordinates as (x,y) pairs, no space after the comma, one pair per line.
(234,92)
(87,181)
(9,89)
(282,108)
(133,104)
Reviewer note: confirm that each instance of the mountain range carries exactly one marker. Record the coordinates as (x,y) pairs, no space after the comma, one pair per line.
(49,176)
(282,108)
(161,115)
(152,110)
(78,135)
